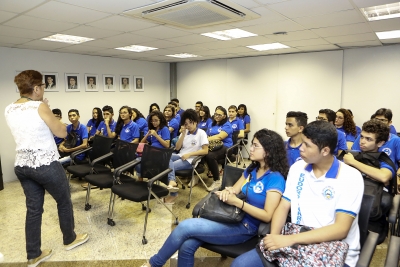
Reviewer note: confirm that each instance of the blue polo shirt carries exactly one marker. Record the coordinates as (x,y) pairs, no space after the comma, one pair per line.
(349,136)
(392,129)
(391,147)
(358,129)
(174,123)
(293,153)
(204,124)
(129,132)
(341,142)
(237,124)
(245,120)
(81,133)
(180,112)
(214,130)
(164,133)
(103,128)
(92,125)
(142,124)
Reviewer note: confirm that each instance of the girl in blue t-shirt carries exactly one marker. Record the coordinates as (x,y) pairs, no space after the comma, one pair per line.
(242,115)
(139,119)
(205,118)
(344,123)
(173,123)
(264,182)
(93,123)
(126,129)
(153,107)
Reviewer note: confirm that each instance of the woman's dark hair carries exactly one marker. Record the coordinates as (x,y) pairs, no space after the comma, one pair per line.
(233,107)
(348,124)
(245,110)
(120,122)
(223,121)
(190,114)
(275,152)
(152,105)
(207,114)
(99,117)
(73,110)
(322,134)
(172,109)
(138,114)
(27,80)
(160,116)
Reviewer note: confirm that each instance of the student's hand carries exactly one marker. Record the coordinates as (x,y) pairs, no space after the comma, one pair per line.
(185,156)
(183,129)
(272,242)
(348,158)
(227,197)
(106,121)
(153,132)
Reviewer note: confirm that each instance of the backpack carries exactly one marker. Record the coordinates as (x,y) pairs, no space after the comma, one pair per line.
(371,186)
(71,140)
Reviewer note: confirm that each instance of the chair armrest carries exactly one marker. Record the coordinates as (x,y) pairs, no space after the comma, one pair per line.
(119,170)
(197,207)
(392,257)
(158,177)
(101,158)
(196,160)
(394,209)
(76,153)
(232,147)
(264,229)
(367,250)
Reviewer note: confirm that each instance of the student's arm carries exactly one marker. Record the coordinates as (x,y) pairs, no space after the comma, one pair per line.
(144,139)
(247,129)
(164,143)
(202,151)
(135,141)
(280,215)
(108,129)
(241,134)
(221,136)
(382,175)
(81,146)
(179,143)
(56,126)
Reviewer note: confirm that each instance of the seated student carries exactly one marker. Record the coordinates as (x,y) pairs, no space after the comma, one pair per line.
(374,134)
(358,129)
(264,182)
(126,129)
(176,115)
(94,122)
(107,126)
(205,118)
(243,116)
(173,124)
(198,106)
(139,119)
(153,107)
(58,114)
(327,192)
(237,125)
(179,111)
(82,137)
(295,123)
(344,123)
(385,115)
(329,115)
(191,143)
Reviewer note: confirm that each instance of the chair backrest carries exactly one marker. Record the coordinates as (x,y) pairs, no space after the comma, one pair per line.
(363,217)
(235,137)
(124,152)
(231,176)
(154,161)
(101,146)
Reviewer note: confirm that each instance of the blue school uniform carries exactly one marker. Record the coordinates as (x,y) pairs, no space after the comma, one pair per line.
(293,153)
(392,129)
(103,128)
(129,132)
(204,124)
(341,142)
(216,129)
(163,133)
(174,123)
(237,124)
(245,120)
(92,126)
(81,133)
(349,136)
(142,124)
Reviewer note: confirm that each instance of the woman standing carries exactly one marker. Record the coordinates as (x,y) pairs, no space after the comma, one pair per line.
(264,182)
(37,166)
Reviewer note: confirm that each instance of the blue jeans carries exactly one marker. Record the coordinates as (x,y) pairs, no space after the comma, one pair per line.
(180,164)
(191,233)
(51,178)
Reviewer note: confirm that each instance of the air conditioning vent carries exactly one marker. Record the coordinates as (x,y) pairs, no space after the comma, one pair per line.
(193,13)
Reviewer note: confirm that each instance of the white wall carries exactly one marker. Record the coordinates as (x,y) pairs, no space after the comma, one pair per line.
(156,77)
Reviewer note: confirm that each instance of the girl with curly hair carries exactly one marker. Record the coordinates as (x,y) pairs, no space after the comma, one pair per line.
(344,123)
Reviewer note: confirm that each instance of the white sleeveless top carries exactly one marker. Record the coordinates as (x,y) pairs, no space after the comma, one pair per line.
(35,142)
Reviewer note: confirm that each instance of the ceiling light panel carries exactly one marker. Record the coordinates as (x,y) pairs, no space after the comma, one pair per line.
(183,55)
(229,34)
(136,48)
(388,35)
(263,47)
(69,39)
(388,11)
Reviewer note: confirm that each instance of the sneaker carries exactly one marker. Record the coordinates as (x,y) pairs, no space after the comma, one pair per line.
(214,185)
(194,181)
(44,256)
(79,240)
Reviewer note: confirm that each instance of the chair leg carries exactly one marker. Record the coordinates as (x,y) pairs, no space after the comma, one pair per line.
(179,181)
(110,220)
(87,205)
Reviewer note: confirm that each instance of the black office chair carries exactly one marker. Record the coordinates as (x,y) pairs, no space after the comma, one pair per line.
(393,253)
(101,146)
(239,143)
(154,166)
(124,153)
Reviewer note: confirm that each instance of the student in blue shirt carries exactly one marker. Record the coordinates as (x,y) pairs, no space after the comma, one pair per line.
(329,115)
(236,123)
(242,114)
(126,129)
(344,123)
(179,111)
(94,122)
(153,107)
(173,124)
(385,115)
(205,118)
(358,129)
(139,119)
(107,126)
(58,114)
(295,123)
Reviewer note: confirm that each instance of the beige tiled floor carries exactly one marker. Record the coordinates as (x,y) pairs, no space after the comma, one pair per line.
(108,246)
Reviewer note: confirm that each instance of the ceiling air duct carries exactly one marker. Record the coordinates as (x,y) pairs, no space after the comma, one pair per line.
(193,13)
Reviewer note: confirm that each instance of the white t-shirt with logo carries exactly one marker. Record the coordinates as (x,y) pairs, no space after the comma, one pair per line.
(193,142)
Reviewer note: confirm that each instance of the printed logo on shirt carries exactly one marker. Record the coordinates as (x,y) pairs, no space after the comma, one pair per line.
(127,130)
(328,192)
(387,150)
(219,130)
(234,126)
(258,188)
(194,142)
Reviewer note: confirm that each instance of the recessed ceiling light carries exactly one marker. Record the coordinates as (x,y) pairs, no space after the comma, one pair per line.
(136,48)
(388,35)
(229,34)
(388,11)
(69,39)
(263,47)
(183,55)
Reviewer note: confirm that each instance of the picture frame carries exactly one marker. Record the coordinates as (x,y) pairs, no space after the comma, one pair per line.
(125,83)
(91,82)
(139,83)
(72,82)
(50,79)
(109,83)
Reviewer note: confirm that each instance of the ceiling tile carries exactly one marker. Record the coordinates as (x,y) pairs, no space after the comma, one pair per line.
(267,16)
(385,25)
(332,19)
(212,52)
(343,30)
(188,49)
(218,44)
(160,44)
(125,24)
(4,15)
(128,39)
(68,13)
(268,2)
(317,41)
(19,5)
(32,23)
(293,36)
(368,3)
(252,41)
(352,38)
(192,39)
(23,33)
(281,26)
(91,32)
(115,6)
(246,3)
(318,47)
(303,8)
(360,44)
(13,40)
(46,44)
(161,32)
(284,51)
(80,48)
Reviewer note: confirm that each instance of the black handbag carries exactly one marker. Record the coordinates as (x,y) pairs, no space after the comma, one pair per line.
(216,210)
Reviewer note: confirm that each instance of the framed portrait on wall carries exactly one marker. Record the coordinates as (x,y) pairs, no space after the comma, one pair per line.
(109,83)
(139,83)
(91,82)
(50,79)
(125,83)
(72,82)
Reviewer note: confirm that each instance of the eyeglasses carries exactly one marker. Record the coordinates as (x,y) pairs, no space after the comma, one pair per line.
(321,119)
(218,115)
(255,146)
(382,120)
